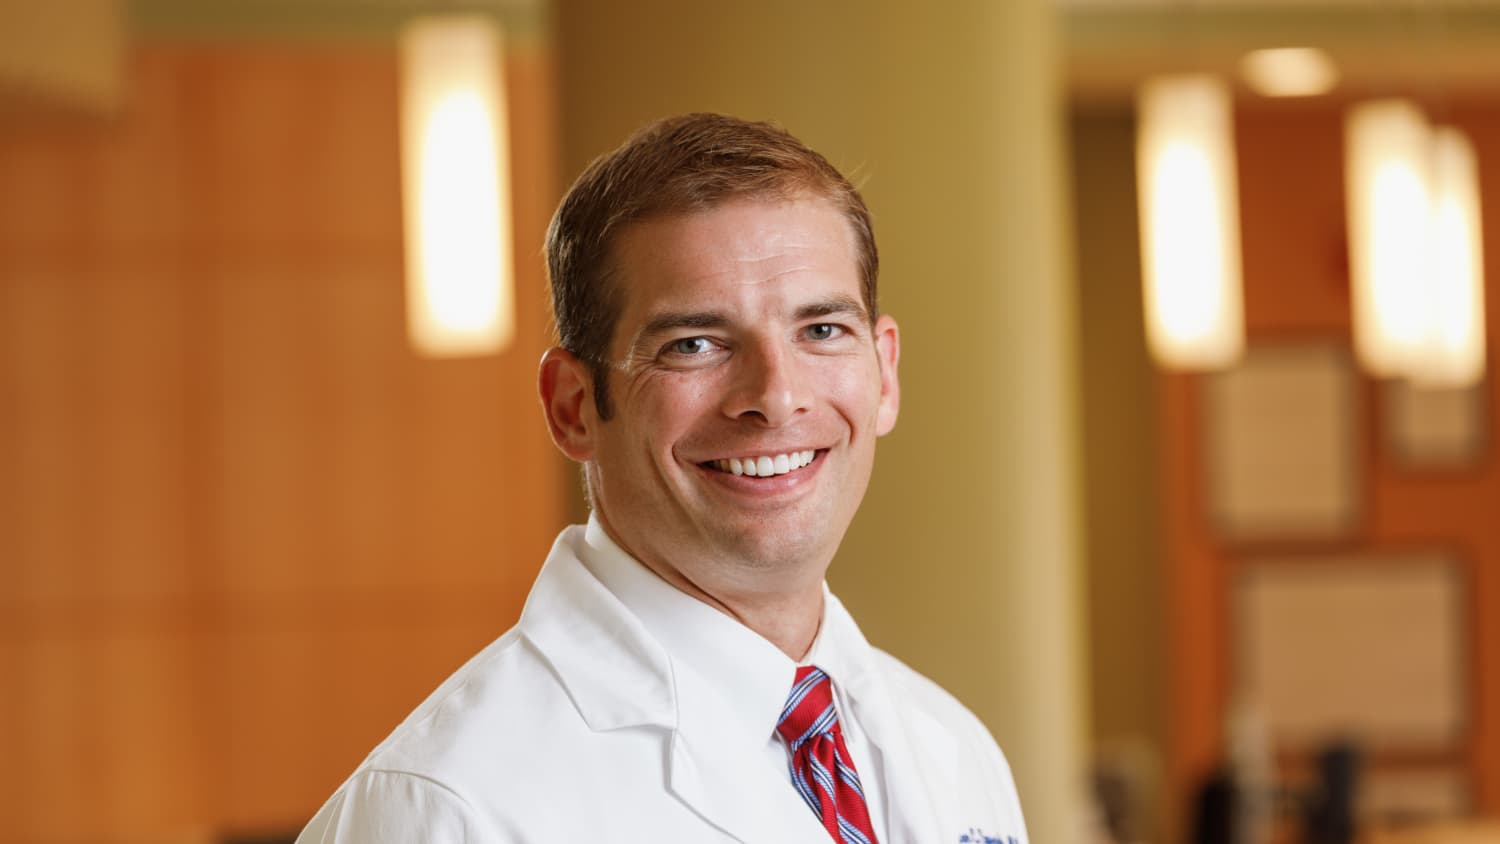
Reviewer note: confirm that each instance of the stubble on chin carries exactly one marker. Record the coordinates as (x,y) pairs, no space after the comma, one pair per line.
(767,558)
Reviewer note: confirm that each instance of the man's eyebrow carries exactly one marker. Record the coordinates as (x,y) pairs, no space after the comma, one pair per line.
(673,320)
(836,306)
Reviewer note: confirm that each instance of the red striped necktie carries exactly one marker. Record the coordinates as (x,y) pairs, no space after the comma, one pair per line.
(822,769)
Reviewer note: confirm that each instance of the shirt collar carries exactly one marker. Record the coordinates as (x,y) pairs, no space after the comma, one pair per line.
(842,651)
(751,675)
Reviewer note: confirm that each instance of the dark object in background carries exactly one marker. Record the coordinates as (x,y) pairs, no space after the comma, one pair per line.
(1325,811)
(289,837)
(1214,810)
(1117,802)
(1329,817)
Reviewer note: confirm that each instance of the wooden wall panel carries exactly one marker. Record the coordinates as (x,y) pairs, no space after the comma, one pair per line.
(243,529)
(1291,177)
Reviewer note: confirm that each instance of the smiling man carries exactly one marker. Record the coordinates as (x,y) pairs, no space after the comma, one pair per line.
(681,671)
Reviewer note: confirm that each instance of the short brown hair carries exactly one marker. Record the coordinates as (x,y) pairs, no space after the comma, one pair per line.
(693,162)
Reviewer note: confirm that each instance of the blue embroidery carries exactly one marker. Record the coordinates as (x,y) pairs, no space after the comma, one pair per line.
(977,836)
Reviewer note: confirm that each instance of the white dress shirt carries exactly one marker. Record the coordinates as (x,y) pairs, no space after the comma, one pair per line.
(753,676)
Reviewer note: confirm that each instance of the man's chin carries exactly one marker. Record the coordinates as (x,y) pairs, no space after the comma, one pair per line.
(770,549)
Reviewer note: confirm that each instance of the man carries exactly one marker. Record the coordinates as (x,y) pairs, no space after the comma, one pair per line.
(680,671)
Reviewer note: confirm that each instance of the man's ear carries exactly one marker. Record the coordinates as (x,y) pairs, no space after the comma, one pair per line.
(567,394)
(888,351)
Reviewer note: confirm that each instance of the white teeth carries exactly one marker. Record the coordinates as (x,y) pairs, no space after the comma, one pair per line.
(763,467)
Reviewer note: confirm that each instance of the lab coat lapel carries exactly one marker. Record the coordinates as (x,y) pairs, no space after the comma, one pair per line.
(726,778)
(920,764)
(615,673)
(619,676)
(918,757)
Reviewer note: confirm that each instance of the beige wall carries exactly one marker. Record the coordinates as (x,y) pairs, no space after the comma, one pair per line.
(964,558)
(1127,671)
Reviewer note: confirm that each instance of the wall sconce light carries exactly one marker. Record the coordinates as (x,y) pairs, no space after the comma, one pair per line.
(1415,254)
(1457,347)
(455,163)
(1387,144)
(1189,216)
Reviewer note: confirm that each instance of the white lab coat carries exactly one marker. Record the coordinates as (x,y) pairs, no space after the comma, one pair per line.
(577,726)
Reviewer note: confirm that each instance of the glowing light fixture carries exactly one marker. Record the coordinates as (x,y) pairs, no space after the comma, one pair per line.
(1289,72)
(1387,146)
(1189,212)
(455,163)
(1456,349)
(1415,252)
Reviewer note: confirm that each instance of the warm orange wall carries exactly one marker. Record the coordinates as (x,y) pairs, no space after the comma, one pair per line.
(243,530)
(1296,286)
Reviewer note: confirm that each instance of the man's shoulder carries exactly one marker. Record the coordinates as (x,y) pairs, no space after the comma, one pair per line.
(484,710)
(419,783)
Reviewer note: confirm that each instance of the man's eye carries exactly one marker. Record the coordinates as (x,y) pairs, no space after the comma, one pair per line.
(823,331)
(690,346)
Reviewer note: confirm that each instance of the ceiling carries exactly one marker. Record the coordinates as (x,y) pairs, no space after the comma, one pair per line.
(1434,48)
(1416,47)
(1399,46)
(313,19)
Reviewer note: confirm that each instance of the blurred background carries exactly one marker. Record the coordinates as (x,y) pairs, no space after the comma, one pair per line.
(249,518)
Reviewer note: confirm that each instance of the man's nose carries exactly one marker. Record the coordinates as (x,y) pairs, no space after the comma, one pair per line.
(771,385)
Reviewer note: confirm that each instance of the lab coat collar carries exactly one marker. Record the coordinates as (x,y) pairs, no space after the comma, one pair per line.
(920,763)
(751,675)
(593,642)
(725,777)
(842,652)
(619,676)
(919,758)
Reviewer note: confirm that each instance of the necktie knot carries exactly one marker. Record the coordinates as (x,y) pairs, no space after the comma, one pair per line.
(809,708)
(821,768)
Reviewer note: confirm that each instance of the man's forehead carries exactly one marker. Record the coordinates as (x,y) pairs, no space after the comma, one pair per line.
(702,251)
(810,216)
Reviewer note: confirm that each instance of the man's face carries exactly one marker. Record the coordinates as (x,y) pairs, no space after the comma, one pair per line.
(743,339)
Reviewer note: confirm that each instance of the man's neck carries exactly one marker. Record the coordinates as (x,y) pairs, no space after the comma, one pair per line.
(788,621)
(787,618)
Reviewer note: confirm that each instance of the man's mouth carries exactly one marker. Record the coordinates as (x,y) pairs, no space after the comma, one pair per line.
(764,466)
